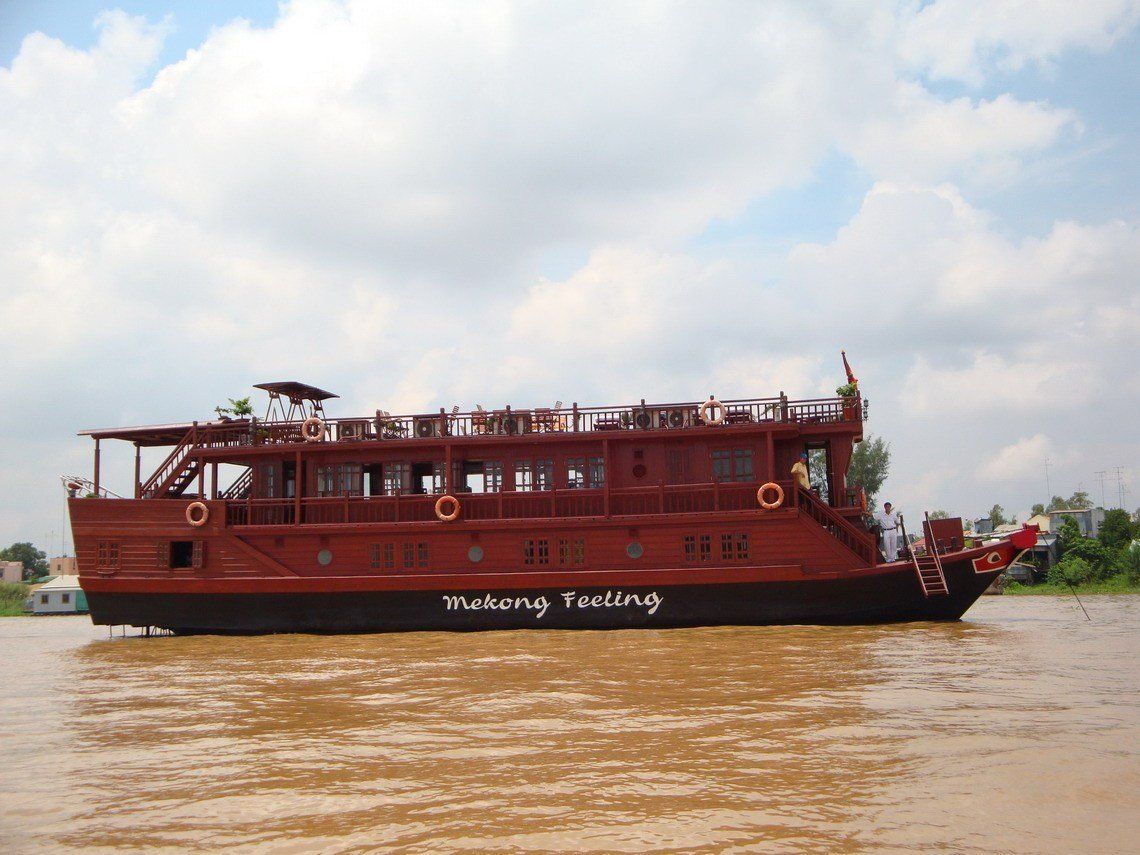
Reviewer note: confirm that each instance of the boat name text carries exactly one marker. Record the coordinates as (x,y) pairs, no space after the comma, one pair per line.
(540,604)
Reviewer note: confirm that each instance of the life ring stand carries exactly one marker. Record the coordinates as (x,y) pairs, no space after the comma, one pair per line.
(706,412)
(764,503)
(197,513)
(313,429)
(439,508)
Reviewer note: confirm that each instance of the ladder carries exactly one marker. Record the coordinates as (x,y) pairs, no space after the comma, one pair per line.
(929,566)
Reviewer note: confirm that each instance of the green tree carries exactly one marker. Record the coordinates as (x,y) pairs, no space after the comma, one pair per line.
(1057,504)
(1071,569)
(1080,501)
(940,515)
(997,516)
(870,463)
(34,560)
(239,409)
(1117,530)
(1037,510)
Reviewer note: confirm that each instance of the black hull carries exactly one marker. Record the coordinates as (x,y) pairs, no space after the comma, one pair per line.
(880,598)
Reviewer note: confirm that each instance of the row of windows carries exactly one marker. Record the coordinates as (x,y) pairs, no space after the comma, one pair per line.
(697,548)
(413,555)
(107,555)
(571,552)
(471,476)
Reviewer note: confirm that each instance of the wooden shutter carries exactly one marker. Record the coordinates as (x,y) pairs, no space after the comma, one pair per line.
(198,557)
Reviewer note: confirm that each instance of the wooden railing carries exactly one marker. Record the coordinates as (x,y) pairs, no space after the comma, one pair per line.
(838,526)
(241,486)
(542,504)
(514,422)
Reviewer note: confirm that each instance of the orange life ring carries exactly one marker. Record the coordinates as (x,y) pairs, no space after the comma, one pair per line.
(199,519)
(706,412)
(766,505)
(312,429)
(439,508)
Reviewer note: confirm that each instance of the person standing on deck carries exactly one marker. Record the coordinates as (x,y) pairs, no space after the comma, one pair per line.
(888,522)
(800,472)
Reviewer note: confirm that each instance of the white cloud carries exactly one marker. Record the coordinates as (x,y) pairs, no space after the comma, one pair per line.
(963,39)
(360,195)
(1019,461)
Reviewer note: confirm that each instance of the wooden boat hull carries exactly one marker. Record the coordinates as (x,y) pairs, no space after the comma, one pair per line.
(556,601)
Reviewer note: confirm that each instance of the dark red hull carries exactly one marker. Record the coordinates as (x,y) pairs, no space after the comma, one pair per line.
(890,593)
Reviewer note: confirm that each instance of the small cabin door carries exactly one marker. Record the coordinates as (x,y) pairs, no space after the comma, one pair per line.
(819,469)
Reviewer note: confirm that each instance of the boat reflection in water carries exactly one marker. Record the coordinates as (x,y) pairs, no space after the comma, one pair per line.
(965,736)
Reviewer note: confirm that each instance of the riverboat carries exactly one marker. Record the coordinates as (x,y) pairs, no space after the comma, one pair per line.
(641,515)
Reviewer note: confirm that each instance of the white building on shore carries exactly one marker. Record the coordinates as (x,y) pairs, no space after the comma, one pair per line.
(62,595)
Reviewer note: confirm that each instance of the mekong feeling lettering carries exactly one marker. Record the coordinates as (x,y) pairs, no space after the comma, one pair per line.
(541,604)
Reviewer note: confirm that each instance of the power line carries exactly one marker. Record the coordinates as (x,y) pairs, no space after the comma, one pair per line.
(1101,475)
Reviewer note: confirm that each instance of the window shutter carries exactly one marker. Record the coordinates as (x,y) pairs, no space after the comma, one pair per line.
(162,553)
(198,559)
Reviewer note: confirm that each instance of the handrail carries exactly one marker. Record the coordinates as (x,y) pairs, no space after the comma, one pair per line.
(838,525)
(932,544)
(510,421)
(240,487)
(509,504)
(158,482)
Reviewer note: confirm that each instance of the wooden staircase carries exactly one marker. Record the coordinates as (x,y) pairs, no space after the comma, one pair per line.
(929,567)
(176,473)
(837,526)
(241,486)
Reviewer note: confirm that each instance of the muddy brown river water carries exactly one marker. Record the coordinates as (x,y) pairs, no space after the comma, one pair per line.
(1015,730)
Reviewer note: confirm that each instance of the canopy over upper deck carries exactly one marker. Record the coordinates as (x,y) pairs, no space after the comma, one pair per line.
(149,436)
(295,391)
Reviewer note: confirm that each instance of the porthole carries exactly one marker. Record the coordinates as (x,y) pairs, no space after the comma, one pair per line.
(324,557)
(634,550)
(475,554)
(639,470)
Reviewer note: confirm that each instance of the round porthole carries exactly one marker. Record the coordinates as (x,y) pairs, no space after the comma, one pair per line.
(475,554)
(324,557)
(634,550)
(639,470)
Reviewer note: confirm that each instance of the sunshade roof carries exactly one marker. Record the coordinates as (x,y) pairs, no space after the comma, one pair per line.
(298,391)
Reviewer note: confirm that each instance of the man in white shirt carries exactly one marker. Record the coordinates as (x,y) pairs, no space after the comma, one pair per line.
(888,521)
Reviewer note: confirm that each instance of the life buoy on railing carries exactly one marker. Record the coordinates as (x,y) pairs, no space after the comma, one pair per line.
(454,508)
(764,503)
(312,429)
(197,513)
(706,412)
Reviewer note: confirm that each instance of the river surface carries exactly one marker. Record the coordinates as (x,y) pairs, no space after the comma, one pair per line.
(1015,730)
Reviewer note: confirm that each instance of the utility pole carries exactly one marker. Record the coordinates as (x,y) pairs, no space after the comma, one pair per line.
(1121,486)
(1100,475)
(1048,489)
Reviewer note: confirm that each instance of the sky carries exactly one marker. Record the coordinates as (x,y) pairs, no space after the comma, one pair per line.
(421,205)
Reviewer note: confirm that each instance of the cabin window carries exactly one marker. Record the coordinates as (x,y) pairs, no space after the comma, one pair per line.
(734,546)
(397,477)
(677,466)
(181,554)
(107,555)
(374,556)
(732,464)
(422,554)
(572,551)
(742,546)
(492,476)
(409,556)
(268,480)
(340,478)
(536,552)
(427,477)
(689,547)
(534,474)
(727,550)
(389,556)
(585,472)
(705,544)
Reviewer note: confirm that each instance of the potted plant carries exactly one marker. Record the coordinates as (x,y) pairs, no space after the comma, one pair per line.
(239,409)
(849,393)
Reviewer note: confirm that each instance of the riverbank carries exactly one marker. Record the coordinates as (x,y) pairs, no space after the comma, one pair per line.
(13,595)
(1113,585)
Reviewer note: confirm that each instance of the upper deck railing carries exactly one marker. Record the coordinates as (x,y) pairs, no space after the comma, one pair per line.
(510,421)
